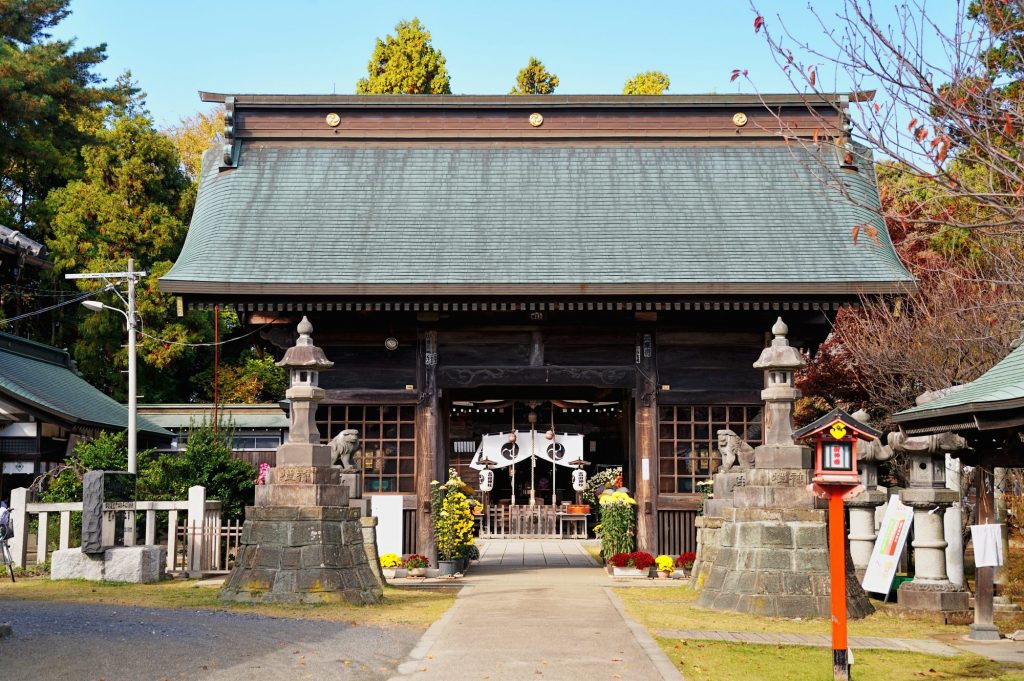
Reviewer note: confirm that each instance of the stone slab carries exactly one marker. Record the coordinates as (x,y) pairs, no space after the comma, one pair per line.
(932,600)
(309,475)
(73,564)
(782,456)
(301,495)
(922,495)
(135,564)
(301,454)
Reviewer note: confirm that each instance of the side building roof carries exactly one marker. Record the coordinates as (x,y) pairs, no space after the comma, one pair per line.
(994,399)
(570,213)
(41,378)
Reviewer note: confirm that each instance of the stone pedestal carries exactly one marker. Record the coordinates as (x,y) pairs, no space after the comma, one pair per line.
(862,528)
(132,564)
(307,554)
(931,589)
(771,556)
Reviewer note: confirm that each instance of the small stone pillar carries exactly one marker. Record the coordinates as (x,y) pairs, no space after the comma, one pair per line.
(301,542)
(930,589)
(862,507)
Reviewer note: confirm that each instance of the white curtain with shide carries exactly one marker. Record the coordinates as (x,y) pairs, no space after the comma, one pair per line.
(563,450)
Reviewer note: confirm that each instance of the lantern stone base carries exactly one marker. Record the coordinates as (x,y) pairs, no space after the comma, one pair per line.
(302,454)
(302,554)
(942,597)
(768,555)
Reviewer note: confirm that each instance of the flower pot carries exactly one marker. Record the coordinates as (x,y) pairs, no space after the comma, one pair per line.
(447,568)
(630,572)
(664,574)
(578,509)
(389,573)
(417,572)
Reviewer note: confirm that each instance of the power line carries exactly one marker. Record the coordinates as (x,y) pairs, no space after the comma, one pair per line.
(52,307)
(206,345)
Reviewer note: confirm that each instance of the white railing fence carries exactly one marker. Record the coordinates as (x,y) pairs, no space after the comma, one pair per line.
(198,540)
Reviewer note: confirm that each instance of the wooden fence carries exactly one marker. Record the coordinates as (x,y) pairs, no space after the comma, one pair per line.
(677,531)
(207,547)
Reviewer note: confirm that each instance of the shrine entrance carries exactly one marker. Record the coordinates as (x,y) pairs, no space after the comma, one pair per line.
(532,443)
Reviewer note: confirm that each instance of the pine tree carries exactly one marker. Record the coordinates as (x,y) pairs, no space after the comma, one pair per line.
(534,79)
(406,64)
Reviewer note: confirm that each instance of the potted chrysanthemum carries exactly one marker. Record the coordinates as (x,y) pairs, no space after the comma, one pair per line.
(389,562)
(665,565)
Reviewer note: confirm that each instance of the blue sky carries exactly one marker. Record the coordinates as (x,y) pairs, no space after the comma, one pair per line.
(176,48)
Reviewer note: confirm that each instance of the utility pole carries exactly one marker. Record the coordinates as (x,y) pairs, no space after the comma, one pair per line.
(132,277)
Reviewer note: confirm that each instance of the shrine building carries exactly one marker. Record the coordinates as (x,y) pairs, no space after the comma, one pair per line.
(603,266)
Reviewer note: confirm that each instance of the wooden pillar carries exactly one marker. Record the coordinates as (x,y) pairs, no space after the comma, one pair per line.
(426,438)
(645,471)
(983,628)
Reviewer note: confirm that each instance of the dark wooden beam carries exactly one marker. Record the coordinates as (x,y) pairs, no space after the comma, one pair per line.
(426,437)
(476,376)
(372,397)
(646,460)
(983,627)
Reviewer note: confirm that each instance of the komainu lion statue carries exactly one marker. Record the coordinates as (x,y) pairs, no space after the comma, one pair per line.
(343,448)
(734,451)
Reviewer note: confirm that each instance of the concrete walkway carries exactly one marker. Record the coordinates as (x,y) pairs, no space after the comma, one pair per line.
(925,646)
(516,618)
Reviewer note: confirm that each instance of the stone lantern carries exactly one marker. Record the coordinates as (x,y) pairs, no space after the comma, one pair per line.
(304,361)
(302,542)
(779,361)
(931,588)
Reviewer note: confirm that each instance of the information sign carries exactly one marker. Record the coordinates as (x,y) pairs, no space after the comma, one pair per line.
(885,556)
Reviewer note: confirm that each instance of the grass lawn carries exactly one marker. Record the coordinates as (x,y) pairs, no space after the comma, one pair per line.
(712,660)
(673,608)
(415,607)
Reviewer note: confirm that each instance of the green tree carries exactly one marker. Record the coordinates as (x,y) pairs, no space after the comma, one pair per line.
(646,83)
(534,79)
(206,461)
(194,135)
(50,104)
(406,64)
(247,379)
(132,201)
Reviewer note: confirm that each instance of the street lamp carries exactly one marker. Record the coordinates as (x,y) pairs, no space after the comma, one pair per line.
(129,316)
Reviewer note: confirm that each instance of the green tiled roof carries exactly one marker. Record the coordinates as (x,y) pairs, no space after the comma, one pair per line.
(1001,387)
(40,377)
(267,416)
(705,218)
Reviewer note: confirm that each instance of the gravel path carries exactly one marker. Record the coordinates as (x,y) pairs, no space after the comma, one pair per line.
(79,642)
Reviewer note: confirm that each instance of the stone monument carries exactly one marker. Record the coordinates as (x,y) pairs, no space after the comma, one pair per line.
(771,556)
(108,552)
(301,541)
(862,507)
(930,590)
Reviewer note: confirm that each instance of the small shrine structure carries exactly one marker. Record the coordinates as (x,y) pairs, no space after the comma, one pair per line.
(988,414)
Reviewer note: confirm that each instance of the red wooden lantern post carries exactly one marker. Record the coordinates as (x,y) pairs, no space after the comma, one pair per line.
(836,479)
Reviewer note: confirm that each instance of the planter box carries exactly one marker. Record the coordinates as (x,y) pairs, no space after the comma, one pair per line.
(447,568)
(630,572)
(578,509)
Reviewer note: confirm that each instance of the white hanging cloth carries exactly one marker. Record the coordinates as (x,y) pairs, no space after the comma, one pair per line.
(563,450)
(988,545)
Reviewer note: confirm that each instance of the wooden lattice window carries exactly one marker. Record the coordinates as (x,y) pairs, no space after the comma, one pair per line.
(688,441)
(387,435)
